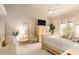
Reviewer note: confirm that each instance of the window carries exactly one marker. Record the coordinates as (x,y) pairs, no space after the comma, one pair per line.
(62,26)
(66,26)
(77,30)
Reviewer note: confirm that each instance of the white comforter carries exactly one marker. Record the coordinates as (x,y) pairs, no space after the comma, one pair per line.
(60,43)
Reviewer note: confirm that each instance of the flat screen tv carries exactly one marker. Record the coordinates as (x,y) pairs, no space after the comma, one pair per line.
(41,22)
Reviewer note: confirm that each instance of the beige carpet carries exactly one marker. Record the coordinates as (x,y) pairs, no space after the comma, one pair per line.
(31,49)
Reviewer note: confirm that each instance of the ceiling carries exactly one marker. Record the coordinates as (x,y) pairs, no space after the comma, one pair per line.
(40,9)
(63,9)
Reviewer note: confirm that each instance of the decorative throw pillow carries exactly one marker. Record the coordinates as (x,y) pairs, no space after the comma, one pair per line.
(61,35)
(71,36)
(65,35)
(75,39)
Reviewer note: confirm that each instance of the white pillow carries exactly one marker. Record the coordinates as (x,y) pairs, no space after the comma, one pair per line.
(75,39)
(71,36)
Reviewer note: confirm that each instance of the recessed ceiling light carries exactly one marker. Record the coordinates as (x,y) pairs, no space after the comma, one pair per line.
(50,12)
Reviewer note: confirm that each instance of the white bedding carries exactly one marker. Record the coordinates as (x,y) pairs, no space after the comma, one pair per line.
(60,43)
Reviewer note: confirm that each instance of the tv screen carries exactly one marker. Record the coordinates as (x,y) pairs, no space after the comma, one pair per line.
(41,22)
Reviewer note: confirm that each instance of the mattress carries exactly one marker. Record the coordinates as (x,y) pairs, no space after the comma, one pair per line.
(60,43)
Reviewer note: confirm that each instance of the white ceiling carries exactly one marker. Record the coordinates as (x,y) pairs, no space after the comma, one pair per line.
(41,9)
(63,9)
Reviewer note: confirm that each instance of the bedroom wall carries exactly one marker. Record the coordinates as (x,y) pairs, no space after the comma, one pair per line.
(16,16)
(14,22)
(56,20)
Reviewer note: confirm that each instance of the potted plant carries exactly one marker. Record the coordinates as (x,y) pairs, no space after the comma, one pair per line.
(52,28)
(15,33)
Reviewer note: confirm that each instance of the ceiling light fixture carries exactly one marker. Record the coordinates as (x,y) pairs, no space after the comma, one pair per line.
(50,12)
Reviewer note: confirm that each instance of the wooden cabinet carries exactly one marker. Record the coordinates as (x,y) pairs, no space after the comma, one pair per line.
(40,32)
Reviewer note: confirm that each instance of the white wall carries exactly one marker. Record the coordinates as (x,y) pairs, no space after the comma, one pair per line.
(16,16)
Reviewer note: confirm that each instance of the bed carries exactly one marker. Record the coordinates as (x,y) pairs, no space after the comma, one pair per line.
(58,45)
